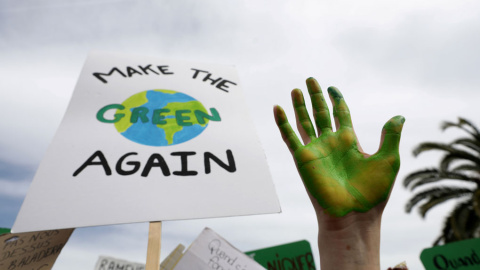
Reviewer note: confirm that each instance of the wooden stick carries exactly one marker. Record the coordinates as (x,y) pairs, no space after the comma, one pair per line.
(154,244)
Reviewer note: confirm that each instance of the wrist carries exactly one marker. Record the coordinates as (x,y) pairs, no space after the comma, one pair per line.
(350,242)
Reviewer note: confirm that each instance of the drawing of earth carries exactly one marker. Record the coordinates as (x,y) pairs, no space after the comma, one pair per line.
(160,118)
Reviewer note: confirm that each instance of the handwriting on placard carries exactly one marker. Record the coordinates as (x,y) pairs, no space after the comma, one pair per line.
(109,263)
(32,251)
(157,160)
(222,260)
(300,262)
(142,70)
(445,262)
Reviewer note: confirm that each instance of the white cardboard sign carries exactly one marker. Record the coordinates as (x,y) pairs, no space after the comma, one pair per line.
(148,139)
(110,263)
(210,251)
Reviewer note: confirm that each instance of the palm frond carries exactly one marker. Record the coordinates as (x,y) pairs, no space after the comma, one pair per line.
(419,175)
(467,167)
(462,122)
(434,201)
(427,146)
(435,196)
(427,176)
(449,175)
(467,142)
(451,151)
(460,155)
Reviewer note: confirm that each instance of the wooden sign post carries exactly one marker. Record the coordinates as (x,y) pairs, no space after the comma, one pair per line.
(154,245)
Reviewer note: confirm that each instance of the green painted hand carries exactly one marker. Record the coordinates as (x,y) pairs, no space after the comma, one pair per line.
(334,168)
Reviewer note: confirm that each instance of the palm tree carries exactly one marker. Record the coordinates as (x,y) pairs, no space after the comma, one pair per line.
(461,162)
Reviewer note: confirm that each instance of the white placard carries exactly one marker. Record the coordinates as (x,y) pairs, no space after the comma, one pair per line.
(148,139)
(210,251)
(110,263)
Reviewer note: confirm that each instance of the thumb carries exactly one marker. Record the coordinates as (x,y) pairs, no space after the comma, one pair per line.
(391,132)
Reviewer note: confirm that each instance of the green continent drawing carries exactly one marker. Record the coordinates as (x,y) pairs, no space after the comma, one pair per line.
(136,100)
(162,118)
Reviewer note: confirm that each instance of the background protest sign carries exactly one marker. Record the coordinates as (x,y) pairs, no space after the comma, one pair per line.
(110,263)
(464,255)
(141,132)
(4,230)
(172,259)
(296,255)
(32,251)
(211,251)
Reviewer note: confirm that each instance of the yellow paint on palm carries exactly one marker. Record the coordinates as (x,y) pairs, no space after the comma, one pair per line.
(334,169)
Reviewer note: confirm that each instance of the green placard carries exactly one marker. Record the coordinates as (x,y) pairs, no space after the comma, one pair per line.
(4,231)
(296,255)
(462,255)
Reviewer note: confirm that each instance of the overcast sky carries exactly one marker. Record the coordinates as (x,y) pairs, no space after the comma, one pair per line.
(419,59)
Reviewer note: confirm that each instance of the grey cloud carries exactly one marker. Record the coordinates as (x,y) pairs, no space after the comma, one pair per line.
(14,171)
(423,46)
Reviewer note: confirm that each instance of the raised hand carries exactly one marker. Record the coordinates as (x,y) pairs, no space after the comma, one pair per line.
(334,168)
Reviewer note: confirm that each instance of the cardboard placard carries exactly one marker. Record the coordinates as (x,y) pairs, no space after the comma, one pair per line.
(211,251)
(463,255)
(32,251)
(141,132)
(296,255)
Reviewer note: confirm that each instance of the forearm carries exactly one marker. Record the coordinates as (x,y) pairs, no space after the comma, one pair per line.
(351,242)
(342,178)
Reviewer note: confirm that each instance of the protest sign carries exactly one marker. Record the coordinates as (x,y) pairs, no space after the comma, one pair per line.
(32,251)
(4,231)
(172,259)
(463,255)
(296,255)
(141,132)
(211,251)
(110,263)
